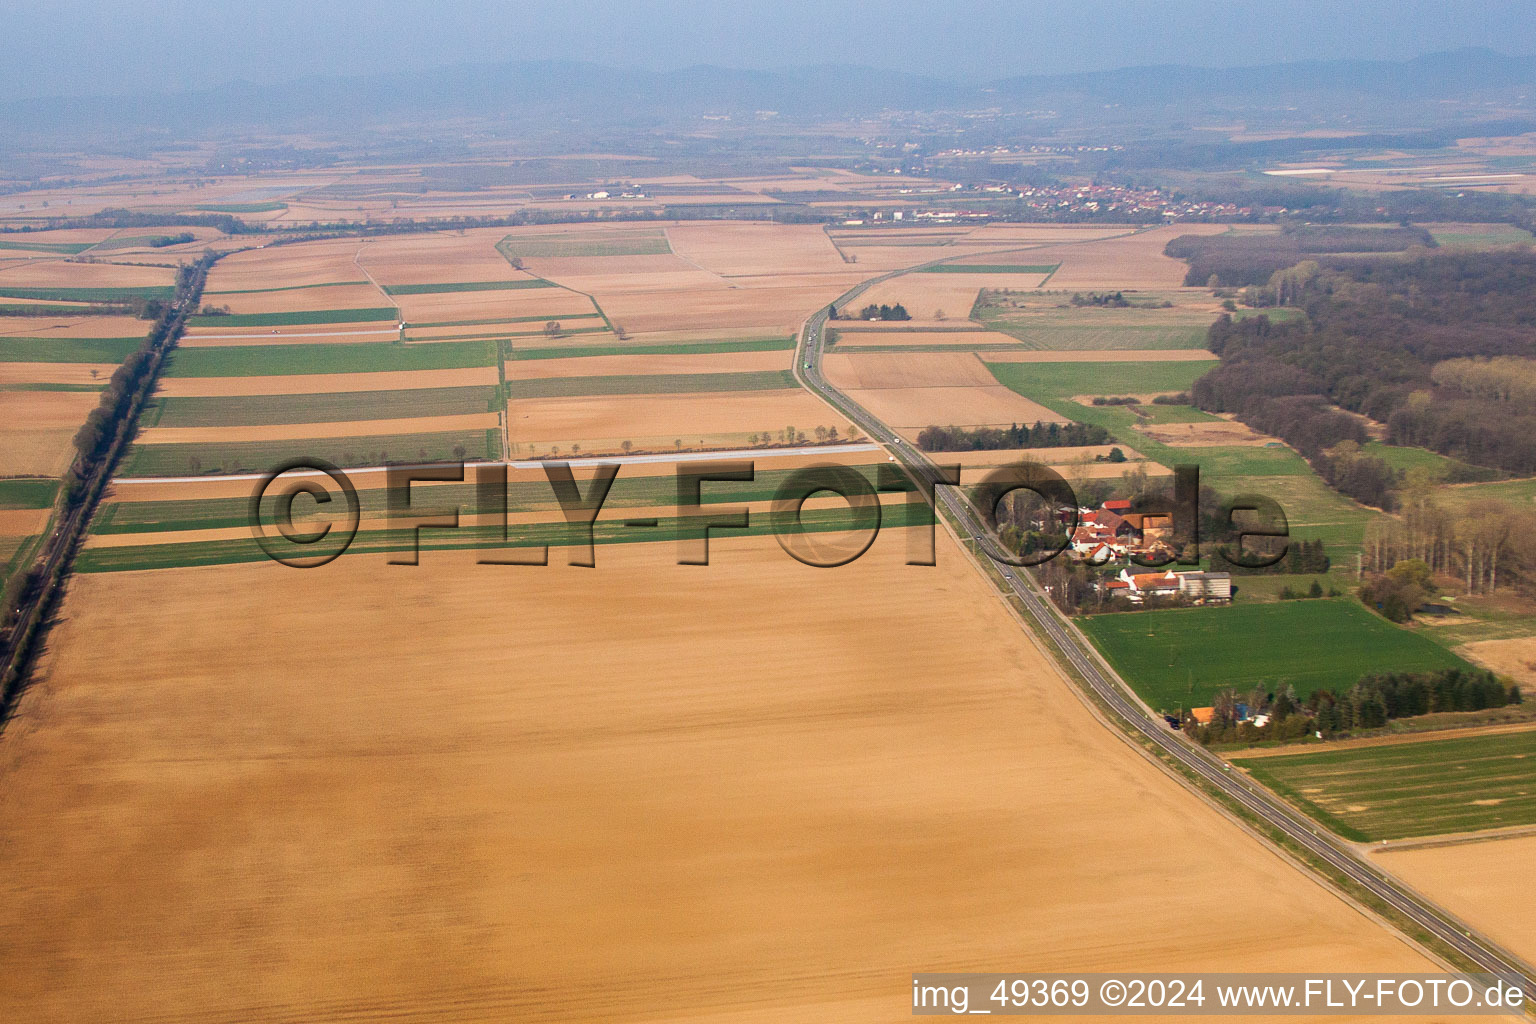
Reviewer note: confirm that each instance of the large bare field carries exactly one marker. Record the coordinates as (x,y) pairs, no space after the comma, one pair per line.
(56,373)
(545,303)
(911,409)
(1136,261)
(38,427)
(365,781)
(927,296)
(1486,883)
(906,370)
(286,266)
(1515,657)
(438,258)
(73,327)
(64,274)
(773,309)
(746,249)
(601,423)
(296,300)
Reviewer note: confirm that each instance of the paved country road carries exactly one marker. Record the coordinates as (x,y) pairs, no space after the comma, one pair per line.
(1112,690)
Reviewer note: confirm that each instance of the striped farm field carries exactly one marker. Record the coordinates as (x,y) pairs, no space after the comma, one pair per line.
(523,496)
(362,357)
(990,268)
(287,288)
(62,248)
(67,350)
(125,558)
(651,384)
(673,349)
(1401,790)
(86,294)
(466,286)
(313,316)
(260,456)
(253,410)
(622,242)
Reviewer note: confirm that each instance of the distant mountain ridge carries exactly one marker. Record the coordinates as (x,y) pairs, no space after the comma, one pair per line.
(591,91)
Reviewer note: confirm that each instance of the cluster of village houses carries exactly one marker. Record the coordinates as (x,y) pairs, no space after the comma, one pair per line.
(1113,533)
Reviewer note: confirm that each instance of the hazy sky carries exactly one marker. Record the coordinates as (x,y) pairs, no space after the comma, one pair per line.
(61,47)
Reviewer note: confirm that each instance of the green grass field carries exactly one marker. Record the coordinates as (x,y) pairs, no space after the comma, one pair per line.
(1052,383)
(466,286)
(650,384)
(1441,466)
(260,456)
(361,357)
(267,207)
(258,410)
(62,248)
(86,294)
(1180,658)
(312,316)
(1474,235)
(67,350)
(27,493)
(620,242)
(990,268)
(679,349)
(1404,790)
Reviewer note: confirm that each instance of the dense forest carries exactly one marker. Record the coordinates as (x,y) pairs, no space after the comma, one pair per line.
(1250,259)
(1375,332)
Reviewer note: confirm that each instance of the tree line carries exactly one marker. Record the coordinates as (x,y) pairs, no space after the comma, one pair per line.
(1041,435)
(1370,703)
(106,431)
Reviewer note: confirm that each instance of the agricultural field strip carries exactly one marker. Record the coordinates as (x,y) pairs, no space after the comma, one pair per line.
(657,349)
(895,515)
(653,490)
(466,286)
(375,314)
(989,268)
(260,456)
(87,295)
(67,350)
(287,288)
(650,384)
(360,357)
(326,407)
(1399,791)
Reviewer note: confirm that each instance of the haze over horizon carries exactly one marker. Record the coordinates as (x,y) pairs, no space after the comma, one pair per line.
(973,40)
